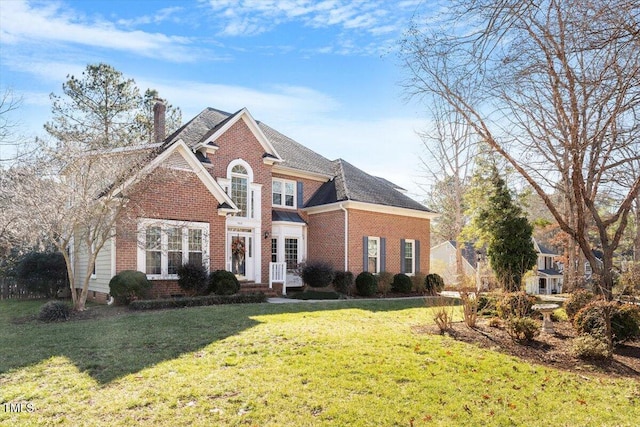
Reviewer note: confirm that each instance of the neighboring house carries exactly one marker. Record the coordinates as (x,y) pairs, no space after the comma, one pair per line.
(443,260)
(546,278)
(255,202)
(588,271)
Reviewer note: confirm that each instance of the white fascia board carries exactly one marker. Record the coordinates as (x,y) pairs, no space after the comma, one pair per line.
(284,170)
(196,166)
(253,126)
(371,207)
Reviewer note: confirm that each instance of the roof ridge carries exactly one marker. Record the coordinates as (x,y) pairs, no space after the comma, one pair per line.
(344,178)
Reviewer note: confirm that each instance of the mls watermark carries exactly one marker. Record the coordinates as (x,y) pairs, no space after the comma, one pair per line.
(18,407)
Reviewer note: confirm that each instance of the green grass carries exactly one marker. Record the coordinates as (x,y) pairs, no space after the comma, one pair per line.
(352,363)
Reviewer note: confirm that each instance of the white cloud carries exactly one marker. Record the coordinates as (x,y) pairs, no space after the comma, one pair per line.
(387,147)
(374,18)
(162,15)
(277,103)
(22,23)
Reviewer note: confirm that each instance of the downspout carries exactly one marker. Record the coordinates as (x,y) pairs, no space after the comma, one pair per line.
(346,238)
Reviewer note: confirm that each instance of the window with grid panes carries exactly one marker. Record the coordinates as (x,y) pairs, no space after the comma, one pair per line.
(291,253)
(153,250)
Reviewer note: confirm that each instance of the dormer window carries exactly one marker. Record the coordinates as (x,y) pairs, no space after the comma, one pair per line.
(283,193)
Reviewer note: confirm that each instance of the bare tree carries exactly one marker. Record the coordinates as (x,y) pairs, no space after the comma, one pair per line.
(556,92)
(450,147)
(9,138)
(74,198)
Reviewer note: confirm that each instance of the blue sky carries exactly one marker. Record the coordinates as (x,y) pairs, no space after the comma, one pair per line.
(322,72)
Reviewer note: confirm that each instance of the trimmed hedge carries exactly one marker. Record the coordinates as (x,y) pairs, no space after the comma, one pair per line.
(129,285)
(343,282)
(401,283)
(222,282)
(625,320)
(317,274)
(192,278)
(315,295)
(158,304)
(366,284)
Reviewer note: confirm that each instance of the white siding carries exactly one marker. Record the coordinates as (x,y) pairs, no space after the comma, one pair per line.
(104,270)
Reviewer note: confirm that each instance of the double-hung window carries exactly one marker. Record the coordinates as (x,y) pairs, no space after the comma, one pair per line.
(195,246)
(373,255)
(153,252)
(409,257)
(166,245)
(283,193)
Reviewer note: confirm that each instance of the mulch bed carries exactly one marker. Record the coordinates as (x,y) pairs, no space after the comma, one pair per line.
(554,351)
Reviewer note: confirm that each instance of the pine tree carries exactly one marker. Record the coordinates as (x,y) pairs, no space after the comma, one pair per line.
(102,109)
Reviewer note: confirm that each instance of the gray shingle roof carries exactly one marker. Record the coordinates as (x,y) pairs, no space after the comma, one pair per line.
(199,127)
(550,272)
(546,250)
(296,155)
(349,182)
(287,216)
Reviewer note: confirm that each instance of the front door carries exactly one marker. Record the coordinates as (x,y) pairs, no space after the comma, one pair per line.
(240,249)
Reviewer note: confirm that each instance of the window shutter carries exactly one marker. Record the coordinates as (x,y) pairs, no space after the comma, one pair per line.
(417,260)
(402,256)
(300,194)
(383,254)
(365,249)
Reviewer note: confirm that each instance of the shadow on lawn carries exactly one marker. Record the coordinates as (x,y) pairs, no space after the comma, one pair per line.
(110,342)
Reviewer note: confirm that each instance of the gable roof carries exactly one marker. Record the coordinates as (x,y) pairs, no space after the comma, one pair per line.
(351,183)
(469,252)
(296,155)
(225,204)
(541,249)
(343,181)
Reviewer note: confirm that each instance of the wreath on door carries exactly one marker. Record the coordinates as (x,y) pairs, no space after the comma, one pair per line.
(237,247)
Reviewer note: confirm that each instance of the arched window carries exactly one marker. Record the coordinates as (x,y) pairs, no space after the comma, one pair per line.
(239,188)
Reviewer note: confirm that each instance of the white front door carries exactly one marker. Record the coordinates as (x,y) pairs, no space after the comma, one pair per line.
(240,249)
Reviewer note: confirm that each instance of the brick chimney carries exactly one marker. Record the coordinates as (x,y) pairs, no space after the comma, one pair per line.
(159,112)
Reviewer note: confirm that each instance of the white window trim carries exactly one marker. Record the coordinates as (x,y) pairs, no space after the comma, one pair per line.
(413,256)
(249,177)
(283,193)
(298,248)
(377,239)
(145,223)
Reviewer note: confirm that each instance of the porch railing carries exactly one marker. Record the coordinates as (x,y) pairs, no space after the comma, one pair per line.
(278,274)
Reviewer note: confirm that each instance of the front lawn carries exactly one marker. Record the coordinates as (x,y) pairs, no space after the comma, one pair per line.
(352,363)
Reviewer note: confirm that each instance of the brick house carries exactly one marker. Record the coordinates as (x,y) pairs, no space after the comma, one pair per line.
(255,202)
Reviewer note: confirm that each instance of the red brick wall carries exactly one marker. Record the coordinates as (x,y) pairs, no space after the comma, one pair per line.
(391,227)
(309,186)
(170,195)
(326,238)
(238,142)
